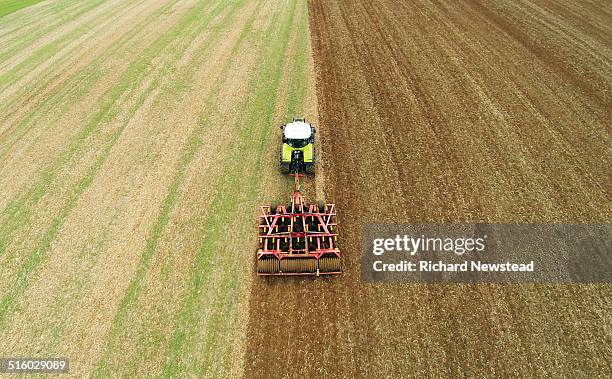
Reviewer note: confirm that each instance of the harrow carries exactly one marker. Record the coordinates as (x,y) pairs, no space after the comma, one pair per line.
(298,239)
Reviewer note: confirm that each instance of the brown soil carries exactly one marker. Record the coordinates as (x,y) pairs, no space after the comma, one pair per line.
(451,112)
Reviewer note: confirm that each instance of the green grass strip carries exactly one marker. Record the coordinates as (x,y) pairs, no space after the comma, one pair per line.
(299,77)
(61,14)
(137,72)
(10,6)
(230,198)
(17,213)
(49,50)
(226,299)
(74,89)
(134,291)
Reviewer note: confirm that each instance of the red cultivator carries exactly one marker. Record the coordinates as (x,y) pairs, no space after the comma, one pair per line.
(298,239)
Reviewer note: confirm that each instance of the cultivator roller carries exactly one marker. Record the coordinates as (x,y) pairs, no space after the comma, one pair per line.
(298,239)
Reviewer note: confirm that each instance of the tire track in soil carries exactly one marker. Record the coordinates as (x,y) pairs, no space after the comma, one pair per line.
(415,129)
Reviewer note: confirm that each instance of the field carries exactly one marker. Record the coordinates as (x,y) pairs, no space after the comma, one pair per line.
(445,113)
(134,151)
(137,139)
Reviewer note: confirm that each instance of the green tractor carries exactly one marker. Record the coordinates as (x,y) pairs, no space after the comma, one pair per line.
(298,150)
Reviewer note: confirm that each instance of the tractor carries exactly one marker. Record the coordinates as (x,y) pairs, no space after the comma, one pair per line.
(298,150)
(298,238)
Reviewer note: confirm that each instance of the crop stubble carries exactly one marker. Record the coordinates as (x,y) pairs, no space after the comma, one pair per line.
(123,241)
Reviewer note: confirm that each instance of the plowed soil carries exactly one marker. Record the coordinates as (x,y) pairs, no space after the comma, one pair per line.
(451,112)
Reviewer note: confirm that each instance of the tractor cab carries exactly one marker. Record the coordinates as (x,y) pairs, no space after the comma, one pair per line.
(298,134)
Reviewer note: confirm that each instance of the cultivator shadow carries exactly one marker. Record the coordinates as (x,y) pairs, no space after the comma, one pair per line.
(298,239)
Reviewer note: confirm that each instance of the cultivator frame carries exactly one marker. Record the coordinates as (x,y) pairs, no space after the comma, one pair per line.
(298,239)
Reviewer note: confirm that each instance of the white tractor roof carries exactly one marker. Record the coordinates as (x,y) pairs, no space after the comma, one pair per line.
(297,130)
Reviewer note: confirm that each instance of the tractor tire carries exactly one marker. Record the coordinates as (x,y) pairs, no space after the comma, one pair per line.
(284,168)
